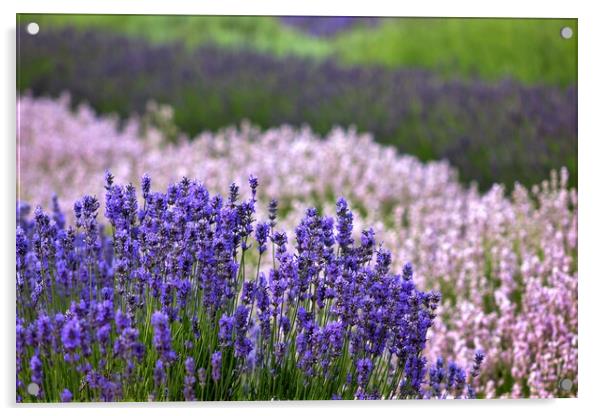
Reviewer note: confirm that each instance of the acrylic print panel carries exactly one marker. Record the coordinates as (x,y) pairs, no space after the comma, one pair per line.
(295,208)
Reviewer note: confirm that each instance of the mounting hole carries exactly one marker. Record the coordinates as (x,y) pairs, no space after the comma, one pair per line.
(566,32)
(566,384)
(33,389)
(33,28)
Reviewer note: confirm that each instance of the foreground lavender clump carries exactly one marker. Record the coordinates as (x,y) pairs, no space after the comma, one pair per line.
(187,297)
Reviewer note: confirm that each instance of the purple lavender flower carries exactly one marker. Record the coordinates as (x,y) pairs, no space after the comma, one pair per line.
(253,183)
(109,178)
(367,245)
(109,390)
(364,369)
(71,336)
(202,376)
(35,366)
(216,365)
(162,336)
(452,370)
(226,325)
(146,185)
(460,382)
(159,375)
(344,224)
(262,231)
(408,271)
(102,334)
(121,320)
(242,345)
(273,212)
(248,293)
(233,197)
(479,357)
(436,376)
(189,379)
(44,331)
(66,396)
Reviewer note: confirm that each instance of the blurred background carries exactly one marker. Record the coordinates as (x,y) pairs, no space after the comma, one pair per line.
(497,98)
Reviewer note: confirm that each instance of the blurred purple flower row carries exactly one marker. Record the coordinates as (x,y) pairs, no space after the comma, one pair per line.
(492,132)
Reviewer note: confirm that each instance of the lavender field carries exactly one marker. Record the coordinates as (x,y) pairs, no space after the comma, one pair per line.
(304,255)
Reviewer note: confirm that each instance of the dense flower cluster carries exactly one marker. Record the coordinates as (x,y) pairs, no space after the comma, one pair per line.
(177,285)
(506,262)
(492,132)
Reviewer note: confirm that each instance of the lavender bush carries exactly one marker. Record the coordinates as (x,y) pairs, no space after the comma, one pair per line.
(187,296)
(492,132)
(505,260)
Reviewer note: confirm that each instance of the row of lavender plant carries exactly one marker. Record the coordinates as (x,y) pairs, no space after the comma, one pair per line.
(492,132)
(506,262)
(171,304)
(506,265)
(327,26)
